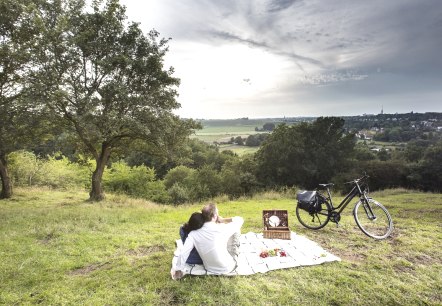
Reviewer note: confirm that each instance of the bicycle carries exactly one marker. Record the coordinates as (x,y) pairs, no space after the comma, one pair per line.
(372,217)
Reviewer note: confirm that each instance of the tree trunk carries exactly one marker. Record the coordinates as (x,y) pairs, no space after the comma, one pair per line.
(6,192)
(97,193)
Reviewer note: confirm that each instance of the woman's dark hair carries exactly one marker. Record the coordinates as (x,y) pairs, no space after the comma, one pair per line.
(196,221)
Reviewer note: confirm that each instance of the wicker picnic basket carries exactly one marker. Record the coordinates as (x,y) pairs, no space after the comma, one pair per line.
(276,224)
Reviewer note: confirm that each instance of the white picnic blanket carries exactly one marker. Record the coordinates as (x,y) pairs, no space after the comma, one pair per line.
(300,251)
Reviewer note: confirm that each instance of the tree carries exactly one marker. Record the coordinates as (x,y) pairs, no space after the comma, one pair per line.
(20,118)
(414,151)
(255,140)
(269,126)
(238,176)
(430,170)
(304,154)
(383,155)
(252,141)
(239,141)
(363,153)
(178,175)
(104,77)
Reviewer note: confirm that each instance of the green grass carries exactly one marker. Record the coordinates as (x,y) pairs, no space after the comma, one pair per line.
(56,248)
(223,130)
(240,150)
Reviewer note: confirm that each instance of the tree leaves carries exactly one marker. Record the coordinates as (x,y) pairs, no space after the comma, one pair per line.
(304,154)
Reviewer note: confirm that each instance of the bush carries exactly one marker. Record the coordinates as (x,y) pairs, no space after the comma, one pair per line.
(230,183)
(427,174)
(179,194)
(57,171)
(137,181)
(178,175)
(384,174)
(23,166)
(156,191)
(205,183)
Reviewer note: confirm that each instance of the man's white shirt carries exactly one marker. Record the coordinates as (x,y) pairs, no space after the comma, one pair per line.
(211,243)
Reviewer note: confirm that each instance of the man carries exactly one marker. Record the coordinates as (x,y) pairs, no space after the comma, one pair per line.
(217,242)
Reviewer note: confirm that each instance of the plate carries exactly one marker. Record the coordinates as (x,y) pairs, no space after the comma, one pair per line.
(274,221)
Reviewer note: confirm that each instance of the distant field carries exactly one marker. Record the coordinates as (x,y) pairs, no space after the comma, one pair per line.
(223,130)
(240,150)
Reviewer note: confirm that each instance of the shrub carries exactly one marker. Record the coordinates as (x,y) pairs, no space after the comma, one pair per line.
(205,183)
(178,175)
(137,181)
(384,174)
(23,166)
(179,194)
(156,191)
(230,182)
(56,171)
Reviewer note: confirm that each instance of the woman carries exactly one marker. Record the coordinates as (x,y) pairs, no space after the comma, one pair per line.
(196,221)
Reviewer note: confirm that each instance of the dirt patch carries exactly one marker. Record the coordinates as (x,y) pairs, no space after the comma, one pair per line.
(169,297)
(348,256)
(407,263)
(424,259)
(404,269)
(66,203)
(48,238)
(433,213)
(146,250)
(89,269)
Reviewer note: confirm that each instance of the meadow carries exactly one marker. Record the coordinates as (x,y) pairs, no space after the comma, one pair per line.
(57,248)
(221,131)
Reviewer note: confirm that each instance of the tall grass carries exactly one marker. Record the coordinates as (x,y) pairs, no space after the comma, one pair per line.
(56,248)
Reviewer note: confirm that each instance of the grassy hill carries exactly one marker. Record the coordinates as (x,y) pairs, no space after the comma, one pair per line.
(57,248)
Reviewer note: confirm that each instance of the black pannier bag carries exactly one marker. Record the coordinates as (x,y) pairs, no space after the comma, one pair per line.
(309,201)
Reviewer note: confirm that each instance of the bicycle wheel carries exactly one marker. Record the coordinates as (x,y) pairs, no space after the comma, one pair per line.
(378,225)
(314,220)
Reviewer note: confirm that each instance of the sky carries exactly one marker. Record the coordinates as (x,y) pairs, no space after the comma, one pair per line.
(291,58)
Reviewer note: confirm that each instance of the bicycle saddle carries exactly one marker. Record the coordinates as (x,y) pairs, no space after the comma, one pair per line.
(327,185)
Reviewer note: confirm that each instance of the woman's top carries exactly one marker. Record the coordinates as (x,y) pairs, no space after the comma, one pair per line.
(194,258)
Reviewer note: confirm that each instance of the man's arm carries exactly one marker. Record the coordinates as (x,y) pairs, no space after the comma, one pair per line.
(223,220)
(234,225)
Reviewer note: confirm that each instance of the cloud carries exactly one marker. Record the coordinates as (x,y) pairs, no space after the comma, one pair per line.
(326,78)
(265,46)
(331,54)
(278,5)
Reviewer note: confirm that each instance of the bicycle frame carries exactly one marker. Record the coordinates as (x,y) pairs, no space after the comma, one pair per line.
(355,191)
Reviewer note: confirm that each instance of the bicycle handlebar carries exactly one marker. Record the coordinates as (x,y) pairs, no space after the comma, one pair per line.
(365,176)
